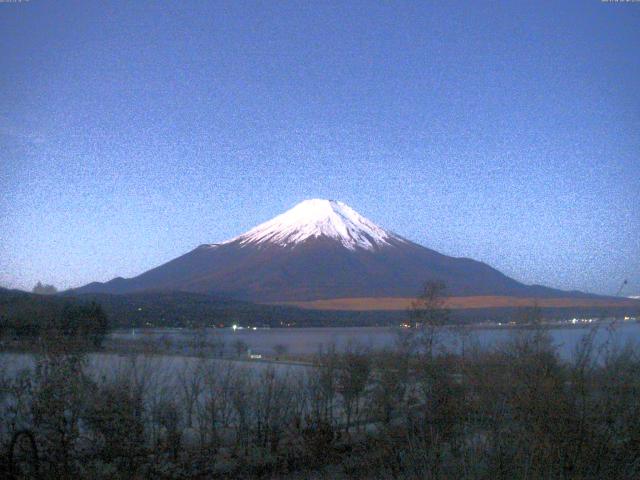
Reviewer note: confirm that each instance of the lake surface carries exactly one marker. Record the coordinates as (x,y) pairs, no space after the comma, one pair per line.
(171,361)
(305,341)
(160,370)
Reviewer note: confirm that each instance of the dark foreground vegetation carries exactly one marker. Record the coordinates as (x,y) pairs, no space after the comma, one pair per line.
(413,412)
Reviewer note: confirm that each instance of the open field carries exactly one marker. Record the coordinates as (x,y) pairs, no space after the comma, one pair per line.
(471,302)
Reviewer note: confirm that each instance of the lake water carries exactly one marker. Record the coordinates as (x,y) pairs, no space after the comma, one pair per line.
(162,372)
(159,371)
(305,341)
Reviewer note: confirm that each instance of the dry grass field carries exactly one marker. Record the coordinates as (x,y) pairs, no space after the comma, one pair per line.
(402,303)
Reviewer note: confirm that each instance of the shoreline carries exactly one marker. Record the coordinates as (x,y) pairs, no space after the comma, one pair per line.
(469,326)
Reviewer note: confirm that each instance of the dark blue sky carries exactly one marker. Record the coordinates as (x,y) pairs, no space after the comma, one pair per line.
(509,132)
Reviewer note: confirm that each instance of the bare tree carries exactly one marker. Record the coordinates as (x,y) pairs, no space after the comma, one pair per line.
(240,347)
(352,380)
(59,396)
(323,385)
(280,350)
(429,313)
(115,422)
(391,384)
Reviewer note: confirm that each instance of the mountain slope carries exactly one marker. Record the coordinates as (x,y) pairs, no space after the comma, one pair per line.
(320,249)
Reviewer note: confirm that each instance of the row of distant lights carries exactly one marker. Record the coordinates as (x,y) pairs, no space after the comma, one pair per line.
(582,320)
(591,320)
(575,321)
(235,327)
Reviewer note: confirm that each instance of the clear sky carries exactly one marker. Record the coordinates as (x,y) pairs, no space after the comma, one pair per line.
(133,131)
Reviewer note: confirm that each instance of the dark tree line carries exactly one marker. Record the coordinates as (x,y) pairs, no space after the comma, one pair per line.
(30,322)
(47,289)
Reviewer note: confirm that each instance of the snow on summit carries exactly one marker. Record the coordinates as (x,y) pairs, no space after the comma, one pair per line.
(319,218)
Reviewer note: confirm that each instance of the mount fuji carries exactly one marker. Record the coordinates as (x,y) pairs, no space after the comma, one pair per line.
(323,251)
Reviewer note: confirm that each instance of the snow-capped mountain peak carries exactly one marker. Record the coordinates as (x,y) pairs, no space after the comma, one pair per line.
(319,218)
